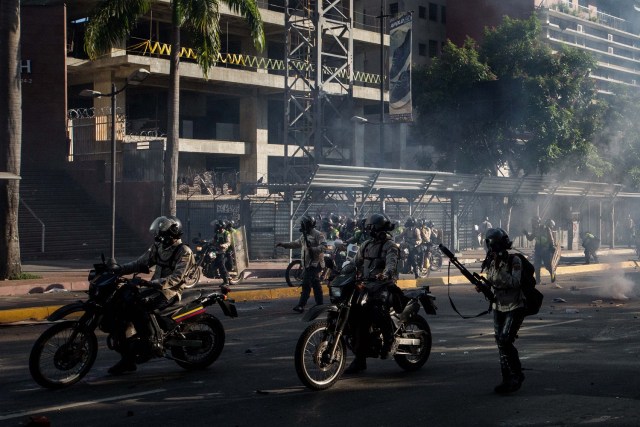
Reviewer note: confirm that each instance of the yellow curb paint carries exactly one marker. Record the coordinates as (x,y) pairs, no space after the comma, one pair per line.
(27,313)
(41,313)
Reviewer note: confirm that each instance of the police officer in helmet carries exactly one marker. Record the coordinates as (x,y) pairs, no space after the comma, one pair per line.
(377,264)
(504,272)
(172,259)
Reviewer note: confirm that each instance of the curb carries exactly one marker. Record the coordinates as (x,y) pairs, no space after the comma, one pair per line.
(39,314)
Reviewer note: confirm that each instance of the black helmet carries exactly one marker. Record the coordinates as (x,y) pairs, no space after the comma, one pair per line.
(231,225)
(378,223)
(166,229)
(220,224)
(497,240)
(307,223)
(410,222)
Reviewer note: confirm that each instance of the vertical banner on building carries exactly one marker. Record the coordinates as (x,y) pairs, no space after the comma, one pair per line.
(400,105)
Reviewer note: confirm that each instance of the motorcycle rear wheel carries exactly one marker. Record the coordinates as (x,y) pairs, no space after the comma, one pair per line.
(312,368)
(192,278)
(416,327)
(207,329)
(55,363)
(294,273)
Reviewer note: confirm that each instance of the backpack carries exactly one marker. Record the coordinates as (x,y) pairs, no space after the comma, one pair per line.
(533,297)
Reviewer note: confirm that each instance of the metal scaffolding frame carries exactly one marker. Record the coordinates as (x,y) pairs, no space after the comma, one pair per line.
(318,83)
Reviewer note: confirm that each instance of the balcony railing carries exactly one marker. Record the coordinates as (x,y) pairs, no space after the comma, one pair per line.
(589,14)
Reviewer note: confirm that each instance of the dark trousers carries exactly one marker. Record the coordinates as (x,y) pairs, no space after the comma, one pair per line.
(506,325)
(219,265)
(415,259)
(375,312)
(311,279)
(138,310)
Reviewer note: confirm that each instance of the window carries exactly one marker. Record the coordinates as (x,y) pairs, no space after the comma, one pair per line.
(433,12)
(422,12)
(393,9)
(422,49)
(433,48)
(443,14)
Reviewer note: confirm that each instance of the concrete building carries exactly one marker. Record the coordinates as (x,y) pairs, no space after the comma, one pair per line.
(607,29)
(232,128)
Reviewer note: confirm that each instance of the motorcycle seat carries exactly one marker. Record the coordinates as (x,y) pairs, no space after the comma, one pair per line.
(187,297)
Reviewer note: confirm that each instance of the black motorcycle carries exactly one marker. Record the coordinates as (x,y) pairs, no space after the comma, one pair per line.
(321,351)
(183,332)
(205,254)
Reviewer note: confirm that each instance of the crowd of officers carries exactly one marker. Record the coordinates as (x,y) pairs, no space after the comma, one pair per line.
(417,234)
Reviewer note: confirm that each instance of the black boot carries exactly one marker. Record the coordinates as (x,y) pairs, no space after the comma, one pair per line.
(358,365)
(124,365)
(510,384)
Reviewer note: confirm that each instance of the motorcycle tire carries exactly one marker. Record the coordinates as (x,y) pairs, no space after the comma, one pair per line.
(416,327)
(55,363)
(192,278)
(436,261)
(207,329)
(313,371)
(294,273)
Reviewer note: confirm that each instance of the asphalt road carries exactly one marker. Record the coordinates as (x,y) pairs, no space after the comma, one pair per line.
(580,356)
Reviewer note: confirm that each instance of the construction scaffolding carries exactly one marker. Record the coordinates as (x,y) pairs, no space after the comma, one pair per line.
(318,93)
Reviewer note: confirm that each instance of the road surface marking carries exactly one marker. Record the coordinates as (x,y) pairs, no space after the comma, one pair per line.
(44,411)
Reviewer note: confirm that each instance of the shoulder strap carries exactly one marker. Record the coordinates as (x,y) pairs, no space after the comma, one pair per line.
(453,306)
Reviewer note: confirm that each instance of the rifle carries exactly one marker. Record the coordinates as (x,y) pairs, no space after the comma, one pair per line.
(480,282)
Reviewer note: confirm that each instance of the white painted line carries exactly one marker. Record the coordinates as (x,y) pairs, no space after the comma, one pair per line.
(550,324)
(43,411)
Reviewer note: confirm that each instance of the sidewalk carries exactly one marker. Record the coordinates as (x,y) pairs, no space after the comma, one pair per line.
(22,300)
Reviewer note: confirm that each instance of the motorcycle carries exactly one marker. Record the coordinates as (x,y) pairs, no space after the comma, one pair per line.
(404,266)
(336,253)
(205,254)
(321,351)
(183,332)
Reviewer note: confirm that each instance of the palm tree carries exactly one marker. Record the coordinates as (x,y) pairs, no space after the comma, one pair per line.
(112,21)
(10,135)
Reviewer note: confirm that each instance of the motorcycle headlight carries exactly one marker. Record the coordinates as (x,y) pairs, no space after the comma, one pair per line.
(212,254)
(335,292)
(198,248)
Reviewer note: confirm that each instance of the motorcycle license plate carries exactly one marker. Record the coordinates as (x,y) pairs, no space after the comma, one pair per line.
(188,313)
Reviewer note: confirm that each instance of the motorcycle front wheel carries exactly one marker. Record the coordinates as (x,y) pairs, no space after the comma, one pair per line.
(208,331)
(313,366)
(56,361)
(294,273)
(436,261)
(415,357)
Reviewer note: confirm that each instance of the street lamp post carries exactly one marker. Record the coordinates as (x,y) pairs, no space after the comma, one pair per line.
(133,79)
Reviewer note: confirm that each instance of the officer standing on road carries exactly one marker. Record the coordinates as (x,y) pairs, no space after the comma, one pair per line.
(412,237)
(222,242)
(544,247)
(311,243)
(508,307)
(590,243)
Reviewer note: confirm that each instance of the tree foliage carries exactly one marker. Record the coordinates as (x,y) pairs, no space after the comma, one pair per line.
(530,108)
(112,22)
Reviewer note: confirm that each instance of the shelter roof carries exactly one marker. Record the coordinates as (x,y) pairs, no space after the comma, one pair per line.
(389,181)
